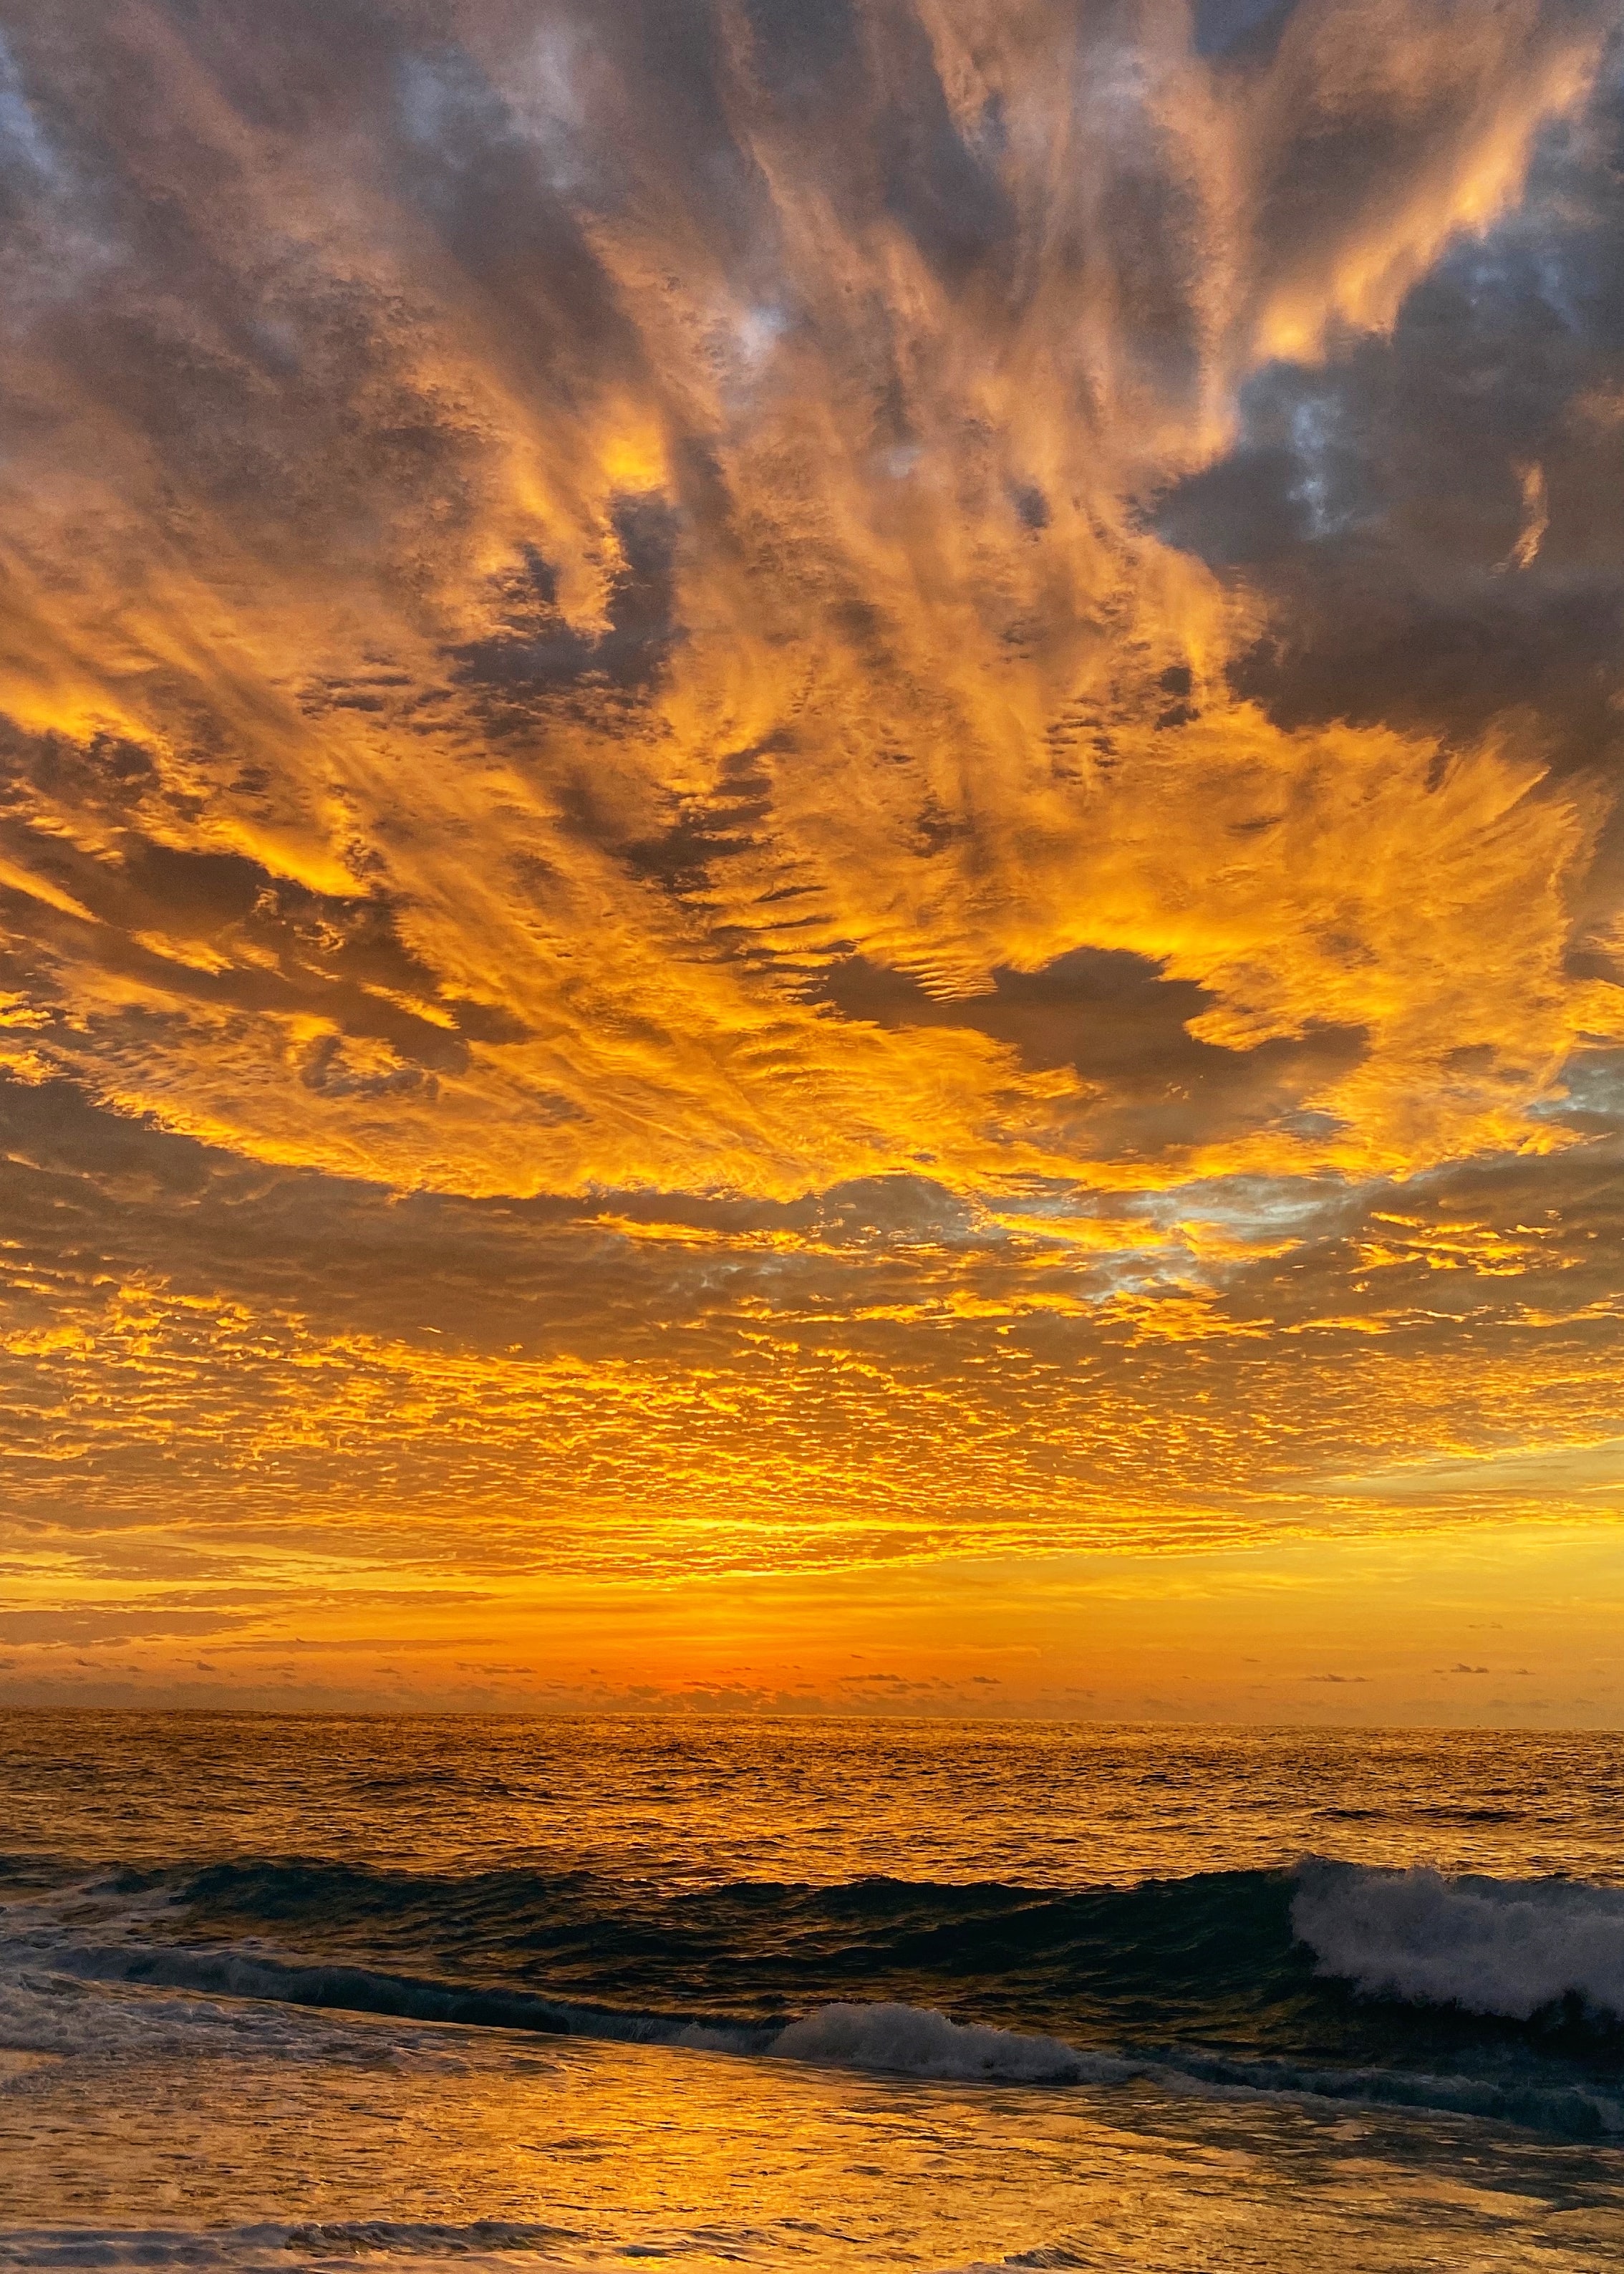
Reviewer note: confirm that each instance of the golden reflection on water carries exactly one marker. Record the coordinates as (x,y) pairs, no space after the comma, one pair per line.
(711,2160)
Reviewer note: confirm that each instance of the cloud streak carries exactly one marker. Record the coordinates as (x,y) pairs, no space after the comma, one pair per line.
(848,768)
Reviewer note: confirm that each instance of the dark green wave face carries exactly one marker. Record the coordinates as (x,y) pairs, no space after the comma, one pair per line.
(1033,1904)
(1215,1954)
(1247,1979)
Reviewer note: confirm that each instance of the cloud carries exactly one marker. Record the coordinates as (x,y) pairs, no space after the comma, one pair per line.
(591,633)
(784,790)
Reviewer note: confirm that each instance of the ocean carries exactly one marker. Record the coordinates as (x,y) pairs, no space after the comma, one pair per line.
(283,1992)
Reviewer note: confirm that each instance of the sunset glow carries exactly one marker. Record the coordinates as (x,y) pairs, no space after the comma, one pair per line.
(810,870)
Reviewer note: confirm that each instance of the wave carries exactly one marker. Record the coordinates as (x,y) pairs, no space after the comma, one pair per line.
(916,2041)
(1224,1949)
(1516,1949)
(329,1988)
(759,1950)
(880,2038)
(1408,1989)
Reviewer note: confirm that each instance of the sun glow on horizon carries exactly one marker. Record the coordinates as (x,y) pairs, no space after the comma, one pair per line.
(810,854)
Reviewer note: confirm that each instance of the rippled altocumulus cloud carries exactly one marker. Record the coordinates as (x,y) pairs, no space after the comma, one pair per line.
(848,768)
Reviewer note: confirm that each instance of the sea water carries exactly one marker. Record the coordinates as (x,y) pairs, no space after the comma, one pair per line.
(280,1992)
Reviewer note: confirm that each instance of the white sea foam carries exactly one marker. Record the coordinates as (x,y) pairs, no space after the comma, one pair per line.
(1487,1945)
(916,2041)
(1493,1948)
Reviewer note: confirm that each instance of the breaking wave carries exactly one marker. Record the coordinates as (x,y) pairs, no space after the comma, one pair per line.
(1493,1999)
(1518,1949)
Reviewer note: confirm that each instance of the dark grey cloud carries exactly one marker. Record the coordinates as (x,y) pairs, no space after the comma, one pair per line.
(1123,1028)
(1245,30)
(1375,502)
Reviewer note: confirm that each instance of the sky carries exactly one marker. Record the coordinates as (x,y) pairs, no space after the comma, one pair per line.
(811,884)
